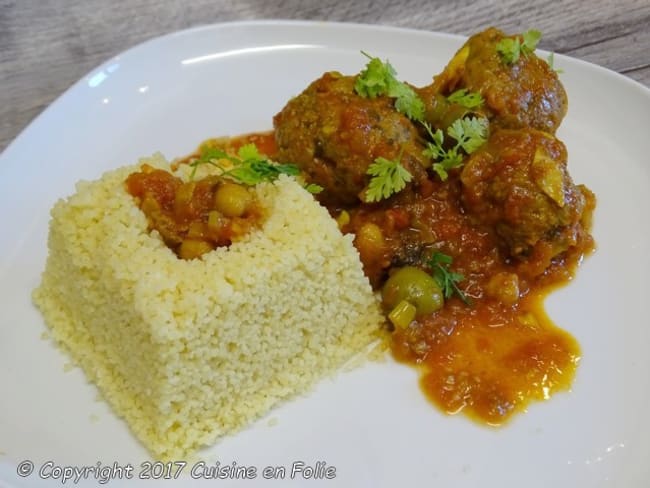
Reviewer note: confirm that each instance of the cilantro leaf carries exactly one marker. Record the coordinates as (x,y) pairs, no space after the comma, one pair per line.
(447,279)
(434,148)
(388,177)
(510,49)
(208,156)
(249,167)
(531,39)
(407,102)
(285,169)
(469,134)
(466,98)
(254,171)
(551,63)
(213,153)
(375,79)
(379,78)
(249,151)
(313,188)
(450,160)
(249,173)
(447,159)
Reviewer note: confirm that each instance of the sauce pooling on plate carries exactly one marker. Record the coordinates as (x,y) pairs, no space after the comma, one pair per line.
(489,349)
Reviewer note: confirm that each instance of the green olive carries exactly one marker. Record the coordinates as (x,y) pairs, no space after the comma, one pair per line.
(416,287)
(232,199)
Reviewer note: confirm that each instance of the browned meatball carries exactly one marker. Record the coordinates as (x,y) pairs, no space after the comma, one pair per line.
(518,185)
(333,135)
(526,93)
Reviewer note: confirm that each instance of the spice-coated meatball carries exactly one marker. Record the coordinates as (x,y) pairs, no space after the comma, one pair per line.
(526,93)
(333,135)
(518,185)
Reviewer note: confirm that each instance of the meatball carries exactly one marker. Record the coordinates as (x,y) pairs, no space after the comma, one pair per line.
(526,93)
(333,135)
(518,185)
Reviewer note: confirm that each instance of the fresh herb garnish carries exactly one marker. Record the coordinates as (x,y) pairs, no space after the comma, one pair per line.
(511,48)
(551,63)
(208,156)
(469,134)
(446,158)
(466,98)
(379,78)
(407,102)
(376,79)
(249,167)
(313,188)
(388,177)
(447,279)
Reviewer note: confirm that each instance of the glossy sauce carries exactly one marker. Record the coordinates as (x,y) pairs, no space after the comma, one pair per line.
(490,361)
(493,357)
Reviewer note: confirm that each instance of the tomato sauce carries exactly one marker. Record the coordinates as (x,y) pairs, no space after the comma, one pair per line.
(492,357)
(489,360)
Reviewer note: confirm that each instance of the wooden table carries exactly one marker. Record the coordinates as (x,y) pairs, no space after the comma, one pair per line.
(46,45)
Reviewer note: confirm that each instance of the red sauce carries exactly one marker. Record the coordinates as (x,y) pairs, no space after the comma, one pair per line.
(491,360)
(493,357)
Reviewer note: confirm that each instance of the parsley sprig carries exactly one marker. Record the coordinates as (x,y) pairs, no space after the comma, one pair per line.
(469,134)
(447,279)
(466,98)
(511,48)
(249,167)
(388,177)
(380,78)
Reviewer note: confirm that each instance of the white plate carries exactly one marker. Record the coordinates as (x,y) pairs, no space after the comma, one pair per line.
(373,425)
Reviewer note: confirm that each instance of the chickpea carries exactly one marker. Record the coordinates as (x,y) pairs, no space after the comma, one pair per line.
(370,242)
(232,200)
(504,287)
(183,197)
(216,221)
(191,248)
(343,219)
(413,285)
(196,230)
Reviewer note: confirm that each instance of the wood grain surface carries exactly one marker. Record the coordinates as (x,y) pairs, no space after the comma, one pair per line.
(46,45)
